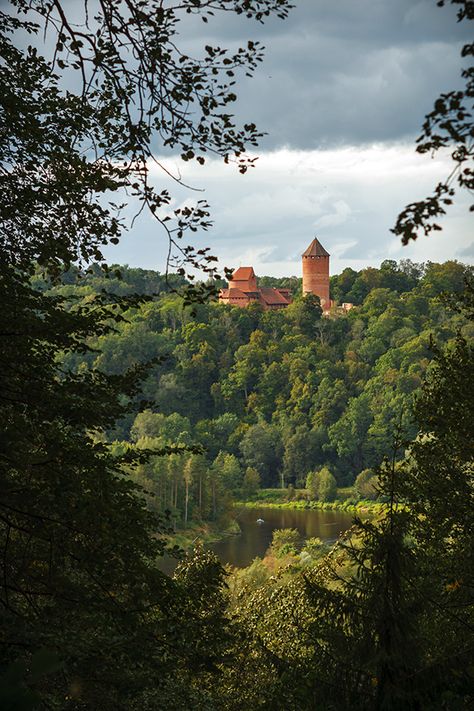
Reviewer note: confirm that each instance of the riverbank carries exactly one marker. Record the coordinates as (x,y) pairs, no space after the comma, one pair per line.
(278,499)
(207,534)
(257,527)
(202,533)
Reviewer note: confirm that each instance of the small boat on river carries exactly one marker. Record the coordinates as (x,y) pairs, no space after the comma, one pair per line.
(260,520)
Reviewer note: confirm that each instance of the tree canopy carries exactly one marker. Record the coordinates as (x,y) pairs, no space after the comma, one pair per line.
(106,446)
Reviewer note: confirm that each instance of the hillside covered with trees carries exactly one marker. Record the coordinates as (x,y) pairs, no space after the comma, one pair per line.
(266,398)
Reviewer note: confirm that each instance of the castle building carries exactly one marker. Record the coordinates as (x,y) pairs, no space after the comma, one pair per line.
(243,290)
(315,262)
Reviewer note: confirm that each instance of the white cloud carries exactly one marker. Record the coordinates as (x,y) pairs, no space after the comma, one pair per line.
(349,197)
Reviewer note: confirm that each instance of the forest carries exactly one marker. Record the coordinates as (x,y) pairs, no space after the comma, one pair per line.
(266,398)
(102,469)
(134,405)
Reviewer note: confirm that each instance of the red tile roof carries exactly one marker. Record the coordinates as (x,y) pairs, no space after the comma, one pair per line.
(272,296)
(243,274)
(315,249)
(246,292)
(233,293)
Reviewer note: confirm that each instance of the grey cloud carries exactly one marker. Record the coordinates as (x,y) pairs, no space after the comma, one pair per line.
(346,72)
(364,96)
(382,21)
(338,73)
(260,220)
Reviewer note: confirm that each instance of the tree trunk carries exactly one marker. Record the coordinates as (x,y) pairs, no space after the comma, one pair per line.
(186,499)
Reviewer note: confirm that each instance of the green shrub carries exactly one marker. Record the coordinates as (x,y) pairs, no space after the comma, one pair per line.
(321,485)
(366,484)
(284,541)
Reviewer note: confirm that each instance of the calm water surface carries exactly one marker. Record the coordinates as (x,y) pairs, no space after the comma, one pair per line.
(257,537)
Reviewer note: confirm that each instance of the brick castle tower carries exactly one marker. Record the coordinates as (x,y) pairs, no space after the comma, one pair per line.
(316,272)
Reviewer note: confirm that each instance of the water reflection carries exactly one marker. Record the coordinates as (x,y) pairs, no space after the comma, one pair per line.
(257,537)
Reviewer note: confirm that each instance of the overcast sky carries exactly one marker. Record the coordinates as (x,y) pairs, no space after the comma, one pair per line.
(342,94)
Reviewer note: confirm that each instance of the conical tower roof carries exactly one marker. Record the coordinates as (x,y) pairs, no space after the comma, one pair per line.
(315,249)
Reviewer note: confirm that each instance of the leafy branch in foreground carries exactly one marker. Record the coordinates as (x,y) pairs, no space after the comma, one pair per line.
(449,125)
(89,122)
(78,545)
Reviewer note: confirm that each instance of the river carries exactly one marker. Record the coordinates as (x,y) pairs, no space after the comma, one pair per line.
(255,538)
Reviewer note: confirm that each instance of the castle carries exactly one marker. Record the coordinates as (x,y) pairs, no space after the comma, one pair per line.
(244,290)
(315,263)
